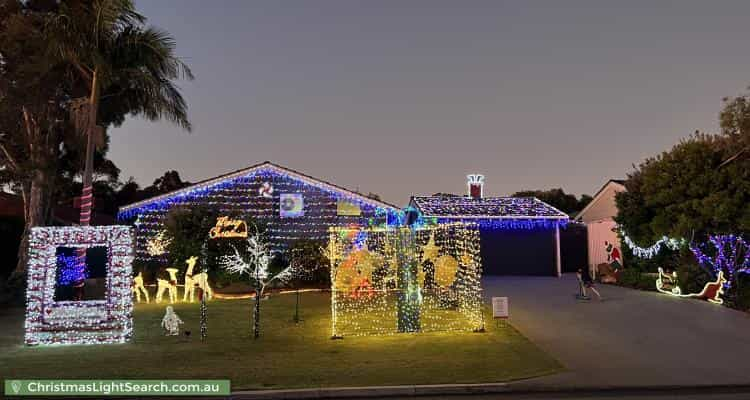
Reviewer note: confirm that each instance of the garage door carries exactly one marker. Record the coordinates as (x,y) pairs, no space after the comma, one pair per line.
(518,252)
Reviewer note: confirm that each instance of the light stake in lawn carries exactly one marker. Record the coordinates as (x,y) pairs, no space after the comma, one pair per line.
(202,294)
(204,317)
(255,264)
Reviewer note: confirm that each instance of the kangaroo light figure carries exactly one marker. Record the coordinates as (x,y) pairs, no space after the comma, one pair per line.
(138,287)
(191,281)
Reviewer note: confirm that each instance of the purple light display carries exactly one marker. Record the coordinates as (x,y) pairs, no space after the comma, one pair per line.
(731,254)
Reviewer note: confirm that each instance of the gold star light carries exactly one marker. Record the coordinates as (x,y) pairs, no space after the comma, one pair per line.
(430,250)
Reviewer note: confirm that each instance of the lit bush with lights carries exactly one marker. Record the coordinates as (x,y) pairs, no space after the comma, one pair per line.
(79,285)
(392,280)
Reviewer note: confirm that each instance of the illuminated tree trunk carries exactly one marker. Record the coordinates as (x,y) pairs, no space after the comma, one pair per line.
(409,297)
(88,170)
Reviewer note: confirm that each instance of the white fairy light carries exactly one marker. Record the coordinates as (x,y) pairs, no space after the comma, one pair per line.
(654,249)
(381,284)
(79,322)
(255,265)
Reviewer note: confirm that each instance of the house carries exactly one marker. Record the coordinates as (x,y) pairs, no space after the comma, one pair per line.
(598,216)
(518,235)
(289,204)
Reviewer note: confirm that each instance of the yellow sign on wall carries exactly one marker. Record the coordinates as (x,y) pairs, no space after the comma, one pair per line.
(228,228)
(344,207)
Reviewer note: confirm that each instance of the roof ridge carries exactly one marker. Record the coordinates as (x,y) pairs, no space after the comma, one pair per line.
(510,207)
(210,182)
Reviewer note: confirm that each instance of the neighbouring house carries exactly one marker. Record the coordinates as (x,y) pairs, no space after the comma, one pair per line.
(289,204)
(518,235)
(603,241)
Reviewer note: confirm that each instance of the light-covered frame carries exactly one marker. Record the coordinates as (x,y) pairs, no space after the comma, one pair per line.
(406,304)
(79,322)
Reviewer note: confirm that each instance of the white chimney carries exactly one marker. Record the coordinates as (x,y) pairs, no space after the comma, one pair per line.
(476,185)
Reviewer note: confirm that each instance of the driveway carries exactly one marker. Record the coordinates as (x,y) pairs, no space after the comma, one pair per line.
(632,338)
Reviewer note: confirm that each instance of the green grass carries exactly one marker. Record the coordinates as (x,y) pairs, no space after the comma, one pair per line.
(287,355)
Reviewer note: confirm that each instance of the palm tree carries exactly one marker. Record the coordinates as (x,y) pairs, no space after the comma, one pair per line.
(119,59)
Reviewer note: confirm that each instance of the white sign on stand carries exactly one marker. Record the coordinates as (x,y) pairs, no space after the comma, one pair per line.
(500,307)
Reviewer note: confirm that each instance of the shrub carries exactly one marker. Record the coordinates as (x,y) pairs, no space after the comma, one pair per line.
(741,299)
(646,281)
(629,277)
(313,268)
(187,229)
(692,277)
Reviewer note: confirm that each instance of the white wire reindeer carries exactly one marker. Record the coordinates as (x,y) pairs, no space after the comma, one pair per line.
(193,280)
(255,265)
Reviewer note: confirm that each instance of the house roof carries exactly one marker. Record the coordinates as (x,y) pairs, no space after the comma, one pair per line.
(619,186)
(465,207)
(205,186)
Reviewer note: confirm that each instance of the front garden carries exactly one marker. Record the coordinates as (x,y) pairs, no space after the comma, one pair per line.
(287,355)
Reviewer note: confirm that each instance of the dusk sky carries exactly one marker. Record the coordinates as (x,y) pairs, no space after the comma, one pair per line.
(407,97)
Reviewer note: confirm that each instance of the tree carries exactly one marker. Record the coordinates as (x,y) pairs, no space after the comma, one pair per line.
(63,64)
(107,44)
(186,230)
(734,121)
(168,182)
(309,263)
(254,261)
(34,128)
(683,193)
(565,202)
(186,235)
(130,192)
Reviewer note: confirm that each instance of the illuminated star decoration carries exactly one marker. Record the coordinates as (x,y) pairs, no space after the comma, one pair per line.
(430,250)
(467,259)
(158,244)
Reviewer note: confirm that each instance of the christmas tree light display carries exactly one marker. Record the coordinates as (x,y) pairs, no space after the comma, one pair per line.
(388,280)
(79,322)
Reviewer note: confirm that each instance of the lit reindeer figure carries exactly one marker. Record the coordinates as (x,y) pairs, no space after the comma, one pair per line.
(138,287)
(191,281)
(169,286)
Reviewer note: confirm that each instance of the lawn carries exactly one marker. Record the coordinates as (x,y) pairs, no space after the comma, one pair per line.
(287,355)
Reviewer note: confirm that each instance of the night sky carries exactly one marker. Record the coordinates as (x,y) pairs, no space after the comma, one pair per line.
(407,97)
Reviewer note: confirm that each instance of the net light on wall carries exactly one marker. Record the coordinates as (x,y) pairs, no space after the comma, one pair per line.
(389,280)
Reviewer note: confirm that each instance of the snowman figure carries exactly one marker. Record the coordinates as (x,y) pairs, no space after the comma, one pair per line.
(171,322)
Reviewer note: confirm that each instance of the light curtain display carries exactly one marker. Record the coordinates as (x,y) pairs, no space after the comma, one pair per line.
(79,322)
(401,279)
(248,194)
